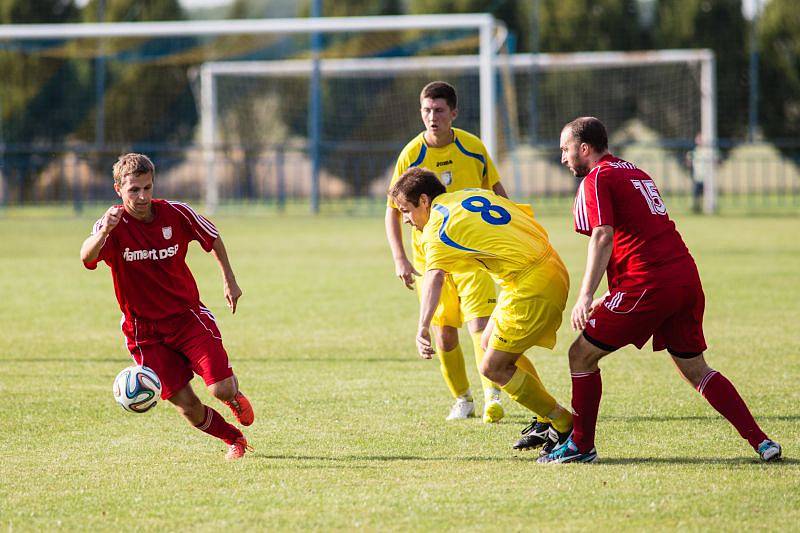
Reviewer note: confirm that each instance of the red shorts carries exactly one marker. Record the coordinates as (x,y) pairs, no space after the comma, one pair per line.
(673,316)
(178,347)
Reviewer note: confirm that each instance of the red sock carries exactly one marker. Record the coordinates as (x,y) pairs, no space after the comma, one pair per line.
(587,388)
(215,425)
(723,397)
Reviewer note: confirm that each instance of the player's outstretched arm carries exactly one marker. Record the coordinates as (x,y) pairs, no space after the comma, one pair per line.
(402,266)
(229,285)
(431,292)
(601,245)
(90,249)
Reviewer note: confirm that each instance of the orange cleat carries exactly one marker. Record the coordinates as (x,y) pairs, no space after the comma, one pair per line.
(242,409)
(238,449)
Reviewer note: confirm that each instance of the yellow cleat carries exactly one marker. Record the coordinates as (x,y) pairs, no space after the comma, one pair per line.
(493,410)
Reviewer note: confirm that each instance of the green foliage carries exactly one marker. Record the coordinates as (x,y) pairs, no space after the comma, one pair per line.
(37,84)
(144,101)
(780,69)
(350,432)
(37,11)
(515,15)
(720,26)
(589,25)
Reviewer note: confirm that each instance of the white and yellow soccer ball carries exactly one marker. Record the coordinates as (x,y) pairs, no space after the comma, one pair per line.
(137,389)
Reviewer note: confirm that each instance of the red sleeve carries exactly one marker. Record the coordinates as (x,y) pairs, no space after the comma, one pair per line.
(105,252)
(200,228)
(593,206)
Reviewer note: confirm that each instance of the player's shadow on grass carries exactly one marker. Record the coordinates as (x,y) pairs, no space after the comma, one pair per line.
(64,360)
(734,461)
(688,418)
(348,360)
(379,458)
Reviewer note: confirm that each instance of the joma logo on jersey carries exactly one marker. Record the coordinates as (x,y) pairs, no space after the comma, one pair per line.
(141,255)
(443,163)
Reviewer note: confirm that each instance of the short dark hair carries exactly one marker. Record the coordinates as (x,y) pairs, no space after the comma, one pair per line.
(591,131)
(415,182)
(440,89)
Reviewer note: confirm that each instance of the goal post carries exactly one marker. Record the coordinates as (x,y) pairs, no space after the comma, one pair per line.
(702,129)
(484,24)
(193,123)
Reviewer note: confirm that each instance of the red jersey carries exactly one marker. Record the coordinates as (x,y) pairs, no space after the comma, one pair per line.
(148,260)
(648,250)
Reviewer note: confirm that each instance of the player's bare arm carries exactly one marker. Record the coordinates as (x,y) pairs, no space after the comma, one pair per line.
(431,292)
(499,190)
(601,244)
(230,286)
(91,247)
(402,266)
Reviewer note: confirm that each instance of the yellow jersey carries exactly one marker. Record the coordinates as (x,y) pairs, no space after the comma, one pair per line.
(462,164)
(477,229)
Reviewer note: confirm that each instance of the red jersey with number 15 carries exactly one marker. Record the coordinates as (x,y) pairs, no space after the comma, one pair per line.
(148,260)
(648,250)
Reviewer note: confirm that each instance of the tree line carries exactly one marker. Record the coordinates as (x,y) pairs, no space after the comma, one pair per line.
(50,90)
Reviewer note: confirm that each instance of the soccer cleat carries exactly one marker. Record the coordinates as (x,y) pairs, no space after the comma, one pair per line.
(241,408)
(568,453)
(462,409)
(534,435)
(769,450)
(238,449)
(554,440)
(493,410)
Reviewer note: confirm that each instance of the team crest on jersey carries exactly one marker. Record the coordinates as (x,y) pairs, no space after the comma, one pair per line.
(166,231)
(446,177)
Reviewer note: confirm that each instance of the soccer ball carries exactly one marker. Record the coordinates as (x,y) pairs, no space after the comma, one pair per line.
(137,389)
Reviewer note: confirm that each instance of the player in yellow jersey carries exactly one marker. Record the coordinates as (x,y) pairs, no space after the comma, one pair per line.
(476,230)
(460,161)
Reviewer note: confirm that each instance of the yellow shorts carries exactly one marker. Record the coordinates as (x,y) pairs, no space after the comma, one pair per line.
(529,310)
(465,296)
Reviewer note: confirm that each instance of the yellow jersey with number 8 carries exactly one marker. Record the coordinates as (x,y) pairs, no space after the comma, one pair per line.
(477,229)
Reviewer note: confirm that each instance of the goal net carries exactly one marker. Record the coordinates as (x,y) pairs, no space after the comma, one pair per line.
(318,109)
(659,107)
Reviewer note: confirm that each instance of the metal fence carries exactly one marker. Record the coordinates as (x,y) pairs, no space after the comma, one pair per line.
(748,176)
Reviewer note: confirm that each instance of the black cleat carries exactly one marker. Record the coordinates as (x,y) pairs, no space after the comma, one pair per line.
(533,436)
(554,440)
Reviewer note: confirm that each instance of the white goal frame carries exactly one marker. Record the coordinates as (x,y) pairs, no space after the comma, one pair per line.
(486,62)
(543,62)
(484,23)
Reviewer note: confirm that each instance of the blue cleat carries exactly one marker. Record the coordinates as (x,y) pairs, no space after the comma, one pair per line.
(568,453)
(769,450)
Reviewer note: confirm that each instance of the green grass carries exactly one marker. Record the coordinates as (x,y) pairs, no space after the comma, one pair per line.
(350,430)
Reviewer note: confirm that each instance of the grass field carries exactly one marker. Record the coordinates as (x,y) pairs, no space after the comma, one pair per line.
(350,430)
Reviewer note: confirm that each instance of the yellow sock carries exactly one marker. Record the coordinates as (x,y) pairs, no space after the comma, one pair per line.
(488,385)
(453,371)
(526,365)
(529,392)
(562,419)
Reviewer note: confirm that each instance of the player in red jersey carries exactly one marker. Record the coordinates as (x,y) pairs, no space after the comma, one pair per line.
(654,290)
(144,241)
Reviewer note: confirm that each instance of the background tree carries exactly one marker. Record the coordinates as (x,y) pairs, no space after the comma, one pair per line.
(589,25)
(148,98)
(720,26)
(779,108)
(40,93)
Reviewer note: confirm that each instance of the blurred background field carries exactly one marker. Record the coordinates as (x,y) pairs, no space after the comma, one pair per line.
(70,105)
